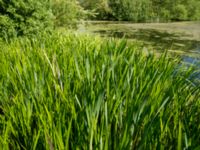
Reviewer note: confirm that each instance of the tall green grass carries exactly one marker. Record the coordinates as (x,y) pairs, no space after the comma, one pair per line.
(82,92)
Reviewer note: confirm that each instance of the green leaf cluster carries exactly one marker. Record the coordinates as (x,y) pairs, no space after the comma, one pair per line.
(33,17)
(144,10)
(24,17)
(66,12)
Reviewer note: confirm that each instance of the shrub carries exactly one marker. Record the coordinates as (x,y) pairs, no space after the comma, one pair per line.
(165,14)
(194,10)
(66,12)
(24,17)
(180,12)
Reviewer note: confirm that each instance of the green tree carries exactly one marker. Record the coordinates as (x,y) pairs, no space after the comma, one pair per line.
(193,9)
(98,9)
(180,12)
(129,10)
(24,17)
(66,12)
(144,10)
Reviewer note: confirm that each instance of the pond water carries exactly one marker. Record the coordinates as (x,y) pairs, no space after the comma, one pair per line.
(179,38)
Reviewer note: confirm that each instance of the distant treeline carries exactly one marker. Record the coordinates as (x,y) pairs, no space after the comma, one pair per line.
(143,10)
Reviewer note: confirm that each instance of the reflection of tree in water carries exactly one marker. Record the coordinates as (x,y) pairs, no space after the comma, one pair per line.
(158,39)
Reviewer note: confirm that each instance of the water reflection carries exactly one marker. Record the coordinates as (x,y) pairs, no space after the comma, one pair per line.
(195,62)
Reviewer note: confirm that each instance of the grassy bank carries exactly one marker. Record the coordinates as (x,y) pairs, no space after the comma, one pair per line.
(81,92)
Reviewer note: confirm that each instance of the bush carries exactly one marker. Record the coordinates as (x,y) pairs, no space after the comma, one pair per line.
(165,14)
(24,17)
(128,10)
(180,12)
(103,10)
(194,10)
(66,12)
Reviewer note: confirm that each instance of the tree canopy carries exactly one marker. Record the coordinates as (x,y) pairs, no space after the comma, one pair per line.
(24,17)
(30,17)
(144,10)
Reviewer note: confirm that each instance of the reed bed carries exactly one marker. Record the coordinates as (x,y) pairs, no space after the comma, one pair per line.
(83,92)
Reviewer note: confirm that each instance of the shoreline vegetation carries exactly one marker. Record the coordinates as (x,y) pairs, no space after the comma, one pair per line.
(76,91)
(60,89)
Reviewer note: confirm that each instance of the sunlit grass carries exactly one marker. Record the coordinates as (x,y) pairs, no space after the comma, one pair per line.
(82,92)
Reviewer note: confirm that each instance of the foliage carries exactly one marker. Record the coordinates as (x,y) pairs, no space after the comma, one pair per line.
(98,8)
(69,92)
(180,12)
(130,10)
(66,12)
(193,7)
(145,10)
(20,17)
(32,17)
(103,10)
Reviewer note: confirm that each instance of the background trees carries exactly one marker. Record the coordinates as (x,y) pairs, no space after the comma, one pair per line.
(144,10)
(31,17)
(66,12)
(136,10)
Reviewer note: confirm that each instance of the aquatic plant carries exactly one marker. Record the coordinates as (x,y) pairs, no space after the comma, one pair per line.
(82,92)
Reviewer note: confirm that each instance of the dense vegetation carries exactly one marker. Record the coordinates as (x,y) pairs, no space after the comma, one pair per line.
(69,92)
(66,12)
(19,17)
(32,17)
(144,10)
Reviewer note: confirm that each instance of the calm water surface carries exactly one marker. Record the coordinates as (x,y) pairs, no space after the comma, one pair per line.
(179,38)
(182,38)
